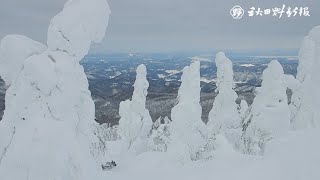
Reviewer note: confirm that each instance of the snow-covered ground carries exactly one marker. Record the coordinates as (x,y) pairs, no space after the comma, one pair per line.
(247,65)
(294,156)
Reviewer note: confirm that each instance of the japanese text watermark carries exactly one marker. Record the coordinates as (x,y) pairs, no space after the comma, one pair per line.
(237,12)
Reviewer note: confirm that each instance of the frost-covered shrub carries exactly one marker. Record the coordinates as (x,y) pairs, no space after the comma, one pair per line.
(214,145)
(206,151)
(160,135)
(105,133)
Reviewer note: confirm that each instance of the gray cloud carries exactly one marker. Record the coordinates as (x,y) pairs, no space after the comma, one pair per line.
(30,18)
(169,25)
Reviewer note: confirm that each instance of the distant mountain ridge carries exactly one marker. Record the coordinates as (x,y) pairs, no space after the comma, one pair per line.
(111,78)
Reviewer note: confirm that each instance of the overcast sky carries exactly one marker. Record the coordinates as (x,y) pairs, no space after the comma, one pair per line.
(172,25)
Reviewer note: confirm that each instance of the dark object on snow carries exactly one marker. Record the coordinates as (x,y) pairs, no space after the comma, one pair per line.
(108,166)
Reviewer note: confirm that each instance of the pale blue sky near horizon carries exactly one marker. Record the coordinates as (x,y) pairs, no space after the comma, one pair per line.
(172,25)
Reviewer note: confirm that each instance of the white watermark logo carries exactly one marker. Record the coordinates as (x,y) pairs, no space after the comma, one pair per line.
(237,12)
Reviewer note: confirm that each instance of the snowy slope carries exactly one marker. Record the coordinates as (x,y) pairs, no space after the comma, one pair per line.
(285,159)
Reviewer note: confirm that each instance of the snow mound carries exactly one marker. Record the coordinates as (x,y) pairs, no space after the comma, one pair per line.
(297,154)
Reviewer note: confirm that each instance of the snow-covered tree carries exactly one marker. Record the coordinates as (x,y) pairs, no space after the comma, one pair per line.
(269,115)
(135,123)
(188,132)
(46,130)
(105,134)
(160,135)
(224,117)
(305,100)
(11,61)
(242,108)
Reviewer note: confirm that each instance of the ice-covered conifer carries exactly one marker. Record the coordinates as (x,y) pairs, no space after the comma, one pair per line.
(224,117)
(46,131)
(160,135)
(188,132)
(135,123)
(243,107)
(11,61)
(305,100)
(269,115)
